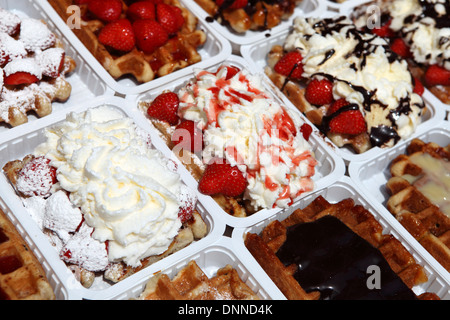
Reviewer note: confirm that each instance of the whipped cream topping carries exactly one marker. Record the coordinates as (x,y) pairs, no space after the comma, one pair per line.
(126,190)
(365,72)
(244,125)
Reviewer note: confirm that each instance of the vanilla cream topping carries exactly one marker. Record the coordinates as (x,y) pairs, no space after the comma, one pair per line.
(124,188)
(248,128)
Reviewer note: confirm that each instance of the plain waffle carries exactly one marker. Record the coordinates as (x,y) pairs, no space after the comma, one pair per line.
(411,201)
(191,283)
(266,246)
(21,274)
(256,15)
(179,52)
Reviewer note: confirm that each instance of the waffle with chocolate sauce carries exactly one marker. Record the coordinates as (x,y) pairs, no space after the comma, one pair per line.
(252,15)
(34,67)
(21,275)
(346,238)
(180,51)
(418,194)
(191,283)
(193,229)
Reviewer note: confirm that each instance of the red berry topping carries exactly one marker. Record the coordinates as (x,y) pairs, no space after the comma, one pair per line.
(150,35)
(399,47)
(169,17)
(290,65)
(348,122)
(36,177)
(188,136)
(418,87)
(165,108)
(236,4)
(437,75)
(141,10)
(19,78)
(221,177)
(118,35)
(319,92)
(188,201)
(336,105)
(106,10)
(306,131)
(384,31)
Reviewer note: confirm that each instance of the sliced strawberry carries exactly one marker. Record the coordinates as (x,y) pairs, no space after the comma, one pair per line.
(106,10)
(20,78)
(141,10)
(168,17)
(418,87)
(221,177)
(51,62)
(236,4)
(384,31)
(290,65)
(319,92)
(306,131)
(188,136)
(165,108)
(36,177)
(437,75)
(150,35)
(348,122)
(118,35)
(336,105)
(399,47)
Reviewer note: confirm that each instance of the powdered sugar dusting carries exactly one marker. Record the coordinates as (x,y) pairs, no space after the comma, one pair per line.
(27,65)
(10,49)
(9,22)
(35,35)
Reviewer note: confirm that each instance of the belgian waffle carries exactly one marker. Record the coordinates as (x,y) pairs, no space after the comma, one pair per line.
(21,274)
(256,15)
(191,283)
(35,44)
(179,52)
(266,246)
(423,215)
(192,230)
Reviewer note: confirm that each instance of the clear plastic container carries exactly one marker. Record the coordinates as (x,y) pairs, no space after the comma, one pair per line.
(438,282)
(64,282)
(330,168)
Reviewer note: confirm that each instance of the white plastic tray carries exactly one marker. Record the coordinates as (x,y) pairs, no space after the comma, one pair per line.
(371,176)
(438,282)
(256,55)
(86,84)
(306,8)
(331,167)
(65,284)
(215,49)
(210,259)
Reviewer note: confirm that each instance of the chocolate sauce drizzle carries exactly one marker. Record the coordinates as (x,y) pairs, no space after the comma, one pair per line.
(334,260)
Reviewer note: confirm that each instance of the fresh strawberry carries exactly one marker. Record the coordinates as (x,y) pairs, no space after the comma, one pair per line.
(36,177)
(165,108)
(51,62)
(336,105)
(169,17)
(221,177)
(141,10)
(236,4)
(19,78)
(290,65)
(399,47)
(437,75)
(118,35)
(319,92)
(418,87)
(188,136)
(384,30)
(349,122)
(306,131)
(150,35)
(82,1)
(106,10)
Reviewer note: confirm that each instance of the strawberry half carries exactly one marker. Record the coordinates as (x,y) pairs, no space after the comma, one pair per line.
(188,136)
(319,92)
(106,10)
(384,30)
(290,65)
(169,17)
(165,108)
(348,122)
(306,131)
(118,35)
(399,47)
(150,35)
(36,177)
(418,87)
(437,75)
(141,10)
(221,177)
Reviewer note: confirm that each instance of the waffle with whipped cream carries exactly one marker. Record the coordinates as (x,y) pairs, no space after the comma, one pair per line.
(33,67)
(347,82)
(180,51)
(419,189)
(349,237)
(256,15)
(239,122)
(191,283)
(21,275)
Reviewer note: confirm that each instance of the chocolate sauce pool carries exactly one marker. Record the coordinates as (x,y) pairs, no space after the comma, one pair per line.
(334,260)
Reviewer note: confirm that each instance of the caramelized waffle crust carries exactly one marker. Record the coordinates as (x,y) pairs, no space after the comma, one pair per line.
(21,274)
(191,283)
(192,230)
(418,192)
(269,249)
(180,51)
(256,15)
